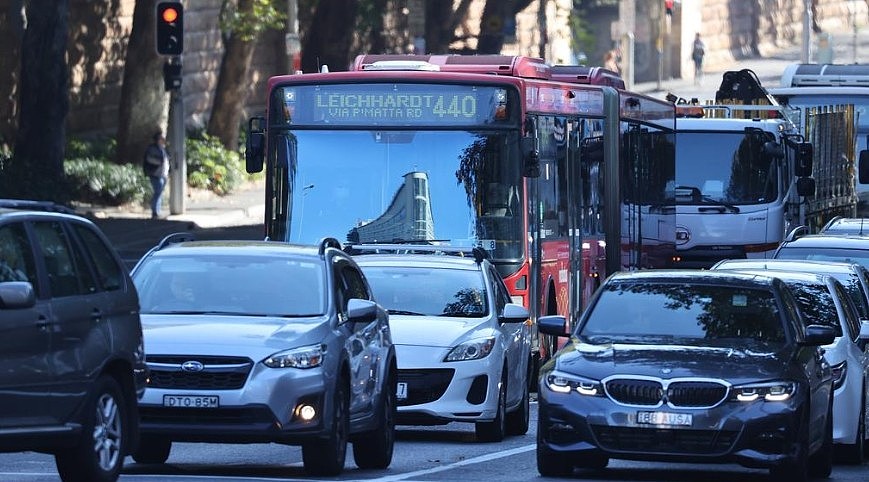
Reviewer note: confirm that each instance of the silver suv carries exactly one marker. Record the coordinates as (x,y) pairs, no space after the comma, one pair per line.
(254,341)
(72,362)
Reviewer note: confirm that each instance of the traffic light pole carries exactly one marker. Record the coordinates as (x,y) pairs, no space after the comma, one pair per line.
(177,140)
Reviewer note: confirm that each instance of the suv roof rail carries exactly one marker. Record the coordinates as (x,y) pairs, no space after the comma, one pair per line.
(830,223)
(175,238)
(795,233)
(328,242)
(479,253)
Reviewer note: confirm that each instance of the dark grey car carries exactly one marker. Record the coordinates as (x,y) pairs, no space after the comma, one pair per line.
(71,353)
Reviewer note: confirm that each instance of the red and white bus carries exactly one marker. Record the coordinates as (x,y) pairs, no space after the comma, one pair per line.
(562,177)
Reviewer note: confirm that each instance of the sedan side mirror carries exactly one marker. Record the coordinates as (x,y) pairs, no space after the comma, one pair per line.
(818,335)
(552,325)
(514,313)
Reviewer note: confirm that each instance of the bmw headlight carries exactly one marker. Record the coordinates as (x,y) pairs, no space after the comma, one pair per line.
(471,350)
(562,383)
(304,357)
(769,391)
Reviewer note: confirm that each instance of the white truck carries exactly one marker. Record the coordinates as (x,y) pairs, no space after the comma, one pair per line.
(746,174)
(804,86)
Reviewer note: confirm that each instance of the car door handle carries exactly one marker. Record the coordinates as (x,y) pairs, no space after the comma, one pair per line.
(42,323)
(96,314)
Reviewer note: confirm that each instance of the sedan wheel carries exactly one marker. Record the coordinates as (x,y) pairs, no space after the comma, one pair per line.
(494,431)
(99,455)
(517,421)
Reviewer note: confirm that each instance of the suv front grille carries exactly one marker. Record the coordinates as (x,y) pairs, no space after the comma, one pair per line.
(217,373)
(424,386)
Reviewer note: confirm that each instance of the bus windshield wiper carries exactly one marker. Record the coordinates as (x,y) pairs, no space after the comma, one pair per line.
(718,203)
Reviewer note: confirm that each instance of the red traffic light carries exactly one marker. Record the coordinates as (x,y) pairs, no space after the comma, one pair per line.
(170,15)
(170,28)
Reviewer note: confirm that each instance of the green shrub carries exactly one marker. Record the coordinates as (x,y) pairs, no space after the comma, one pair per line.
(213,167)
(98,181)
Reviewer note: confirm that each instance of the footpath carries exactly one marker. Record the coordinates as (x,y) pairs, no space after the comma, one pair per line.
(239,215)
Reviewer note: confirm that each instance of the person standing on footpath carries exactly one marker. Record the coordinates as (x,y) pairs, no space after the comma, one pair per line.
(698,51)
(156,167)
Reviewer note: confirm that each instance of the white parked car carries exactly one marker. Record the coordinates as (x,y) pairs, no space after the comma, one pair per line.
(463,349)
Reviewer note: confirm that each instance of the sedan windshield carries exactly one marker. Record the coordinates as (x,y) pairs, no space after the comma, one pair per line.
(427,291)
(231,285)
(652,311)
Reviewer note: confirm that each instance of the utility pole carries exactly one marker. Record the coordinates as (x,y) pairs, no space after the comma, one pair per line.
(805,55)
(544,34)
(292,41)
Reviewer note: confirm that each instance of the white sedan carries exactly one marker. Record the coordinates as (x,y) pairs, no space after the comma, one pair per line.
(463,349)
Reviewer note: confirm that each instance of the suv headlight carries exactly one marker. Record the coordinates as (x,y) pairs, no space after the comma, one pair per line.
(471,350)
(561,383)
(304,357)
(770,392)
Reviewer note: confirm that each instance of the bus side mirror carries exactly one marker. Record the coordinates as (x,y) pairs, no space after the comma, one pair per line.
(806,186)
(863,167)
(531,157)
(255,144)
(803,159)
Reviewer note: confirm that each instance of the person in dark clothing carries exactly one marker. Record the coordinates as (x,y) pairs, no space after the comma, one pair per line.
(156,167)
(698,51)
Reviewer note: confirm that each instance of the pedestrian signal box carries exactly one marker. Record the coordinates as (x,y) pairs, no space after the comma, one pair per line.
(170,28)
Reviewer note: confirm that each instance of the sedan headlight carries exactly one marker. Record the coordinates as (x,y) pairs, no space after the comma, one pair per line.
(471,350)
(770,392)
(561,383)
(304,357)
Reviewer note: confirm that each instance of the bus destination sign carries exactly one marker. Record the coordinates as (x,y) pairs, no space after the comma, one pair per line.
(393,104)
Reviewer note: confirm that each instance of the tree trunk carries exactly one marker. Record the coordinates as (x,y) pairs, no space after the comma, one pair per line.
(11,34)
(330,36)
(233,85)
(36,168)
(144,105)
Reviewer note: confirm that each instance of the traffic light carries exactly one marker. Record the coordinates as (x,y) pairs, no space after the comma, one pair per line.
(170,28)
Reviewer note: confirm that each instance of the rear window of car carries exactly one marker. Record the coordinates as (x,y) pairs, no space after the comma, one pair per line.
(231,284)
(817,304)
(859,256)
(428,291)
(650,311)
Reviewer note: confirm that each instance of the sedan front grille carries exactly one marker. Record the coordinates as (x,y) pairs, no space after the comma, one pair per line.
(696,394)
(666,441)
(424,386)
(635,392)
(680,393)
(216,373)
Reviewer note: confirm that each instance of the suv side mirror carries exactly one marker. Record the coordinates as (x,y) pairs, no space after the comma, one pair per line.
(803,159)
(16,295)
(359,310)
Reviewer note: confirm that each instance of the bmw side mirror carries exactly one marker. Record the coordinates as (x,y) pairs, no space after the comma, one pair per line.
(818,335)
(552,325)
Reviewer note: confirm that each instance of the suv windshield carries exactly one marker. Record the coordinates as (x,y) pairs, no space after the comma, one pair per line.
(642,311)
(428,291)
(227,284)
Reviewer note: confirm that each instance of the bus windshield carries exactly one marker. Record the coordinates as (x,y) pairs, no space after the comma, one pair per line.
(714,167)
(456,187)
